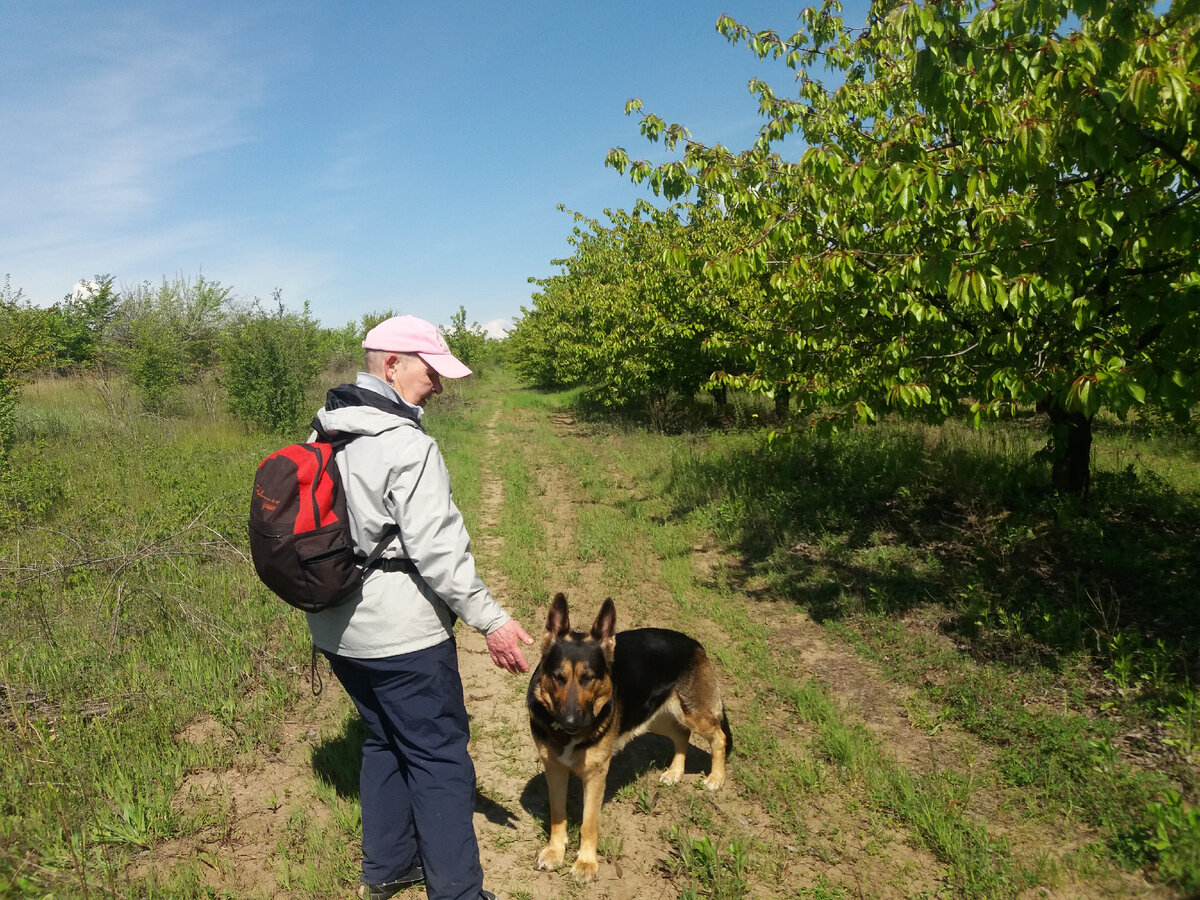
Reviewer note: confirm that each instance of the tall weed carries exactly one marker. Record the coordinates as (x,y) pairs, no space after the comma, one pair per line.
(130,610)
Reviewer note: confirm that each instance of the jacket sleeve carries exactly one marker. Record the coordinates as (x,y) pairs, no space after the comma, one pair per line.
(435,539)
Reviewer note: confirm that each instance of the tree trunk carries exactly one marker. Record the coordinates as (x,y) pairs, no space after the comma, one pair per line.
(1070,449)
(782,395)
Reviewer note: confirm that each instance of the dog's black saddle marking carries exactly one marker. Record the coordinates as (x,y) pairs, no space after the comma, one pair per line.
(647,663)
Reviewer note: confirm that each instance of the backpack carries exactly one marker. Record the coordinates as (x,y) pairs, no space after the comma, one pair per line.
(300,539)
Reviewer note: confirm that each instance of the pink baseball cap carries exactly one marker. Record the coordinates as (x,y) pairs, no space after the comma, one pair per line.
(408,334)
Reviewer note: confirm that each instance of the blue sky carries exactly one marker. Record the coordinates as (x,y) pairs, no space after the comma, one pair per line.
(358,155)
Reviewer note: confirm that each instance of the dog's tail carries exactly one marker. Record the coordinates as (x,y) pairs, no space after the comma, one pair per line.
(728,733)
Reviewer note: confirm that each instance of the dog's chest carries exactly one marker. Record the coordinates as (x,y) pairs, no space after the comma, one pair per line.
(570,755)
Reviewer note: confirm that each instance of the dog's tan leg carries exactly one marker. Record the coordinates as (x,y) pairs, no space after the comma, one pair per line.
(679,734)
(552,855)
(716,747)
(586,867)
(708,726)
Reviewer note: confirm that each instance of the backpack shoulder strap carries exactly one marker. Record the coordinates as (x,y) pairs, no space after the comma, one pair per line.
(374,555)
(337,441)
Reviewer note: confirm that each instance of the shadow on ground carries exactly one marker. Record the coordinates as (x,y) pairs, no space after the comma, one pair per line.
(647,753)
(889,522)
(336,762)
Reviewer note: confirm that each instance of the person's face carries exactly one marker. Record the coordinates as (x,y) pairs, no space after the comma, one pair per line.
(413,379)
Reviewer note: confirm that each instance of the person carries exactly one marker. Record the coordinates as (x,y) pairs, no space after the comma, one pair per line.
(391,645)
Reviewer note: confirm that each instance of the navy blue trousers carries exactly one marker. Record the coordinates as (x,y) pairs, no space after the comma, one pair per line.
(417,782)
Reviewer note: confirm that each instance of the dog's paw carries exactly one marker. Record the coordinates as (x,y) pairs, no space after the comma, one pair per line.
(669,777)
(714,781)
(585,870)
(549,859)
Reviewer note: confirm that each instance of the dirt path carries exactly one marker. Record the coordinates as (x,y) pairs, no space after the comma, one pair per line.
(512,810)
(844,843)
(638,813)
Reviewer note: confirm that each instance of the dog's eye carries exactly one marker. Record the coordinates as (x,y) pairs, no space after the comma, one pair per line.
(585,679)
(559,678)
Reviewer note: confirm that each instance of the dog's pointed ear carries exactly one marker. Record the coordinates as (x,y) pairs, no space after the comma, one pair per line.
(558,623)
(606,622)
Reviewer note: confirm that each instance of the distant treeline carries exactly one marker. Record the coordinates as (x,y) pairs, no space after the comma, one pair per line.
(164,337)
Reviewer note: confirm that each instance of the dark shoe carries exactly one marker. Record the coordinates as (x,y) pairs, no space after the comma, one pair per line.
(415,875)
(486,895)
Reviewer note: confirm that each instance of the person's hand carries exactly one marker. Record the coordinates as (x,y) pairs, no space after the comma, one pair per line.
(505,646)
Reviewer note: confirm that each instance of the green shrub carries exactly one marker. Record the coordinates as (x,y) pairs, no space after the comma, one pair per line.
(269,362)
(1175,838)
(341,348)
(166,336)
(81,321)
(469,344)
(155,361)
(25,343)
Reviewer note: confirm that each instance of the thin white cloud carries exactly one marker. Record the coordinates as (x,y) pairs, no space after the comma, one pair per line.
(47,264)
(101,141)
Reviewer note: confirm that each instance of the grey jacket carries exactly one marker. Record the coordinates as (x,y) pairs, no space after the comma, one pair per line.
(396,474)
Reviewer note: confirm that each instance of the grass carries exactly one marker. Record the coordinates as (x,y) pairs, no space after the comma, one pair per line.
(1084,605)
(707,870)
(1062,759)
(133,611)
(1062,636)
(777,775)
(1050,598)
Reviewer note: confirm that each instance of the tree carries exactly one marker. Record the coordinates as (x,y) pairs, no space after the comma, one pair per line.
(25,344)
(269,362)
(999,202)
(545,345)
(627,315)
(467,343)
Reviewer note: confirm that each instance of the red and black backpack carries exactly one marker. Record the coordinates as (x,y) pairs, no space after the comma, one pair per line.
(300,538)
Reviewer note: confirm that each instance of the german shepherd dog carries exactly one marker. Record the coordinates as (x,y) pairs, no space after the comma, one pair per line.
(594,691)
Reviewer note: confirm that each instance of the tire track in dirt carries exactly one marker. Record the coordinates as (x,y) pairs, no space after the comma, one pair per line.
(846,842)
(511,807)
(885,708)
(638,812)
